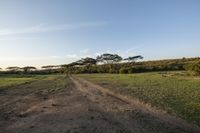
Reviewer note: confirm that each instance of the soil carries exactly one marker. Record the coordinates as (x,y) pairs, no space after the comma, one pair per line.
(83,107)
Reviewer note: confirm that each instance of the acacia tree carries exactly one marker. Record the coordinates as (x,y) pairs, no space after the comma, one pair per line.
(51,67)
(48,67)
(109,58)
(28,69)
(134,58)
(88,61)
(13,69)
(84,61)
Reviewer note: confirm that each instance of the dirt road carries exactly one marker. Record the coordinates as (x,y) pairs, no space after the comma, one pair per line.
(84,108)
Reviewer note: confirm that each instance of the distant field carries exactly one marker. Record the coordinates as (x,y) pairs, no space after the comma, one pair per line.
(11,80)
(173,91)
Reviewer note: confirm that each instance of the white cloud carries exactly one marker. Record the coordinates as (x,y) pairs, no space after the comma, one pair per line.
(50,28)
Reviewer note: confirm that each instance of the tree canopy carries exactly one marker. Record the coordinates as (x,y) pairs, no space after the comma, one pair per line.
(134,58)
(28,68)
(84,61)
(13,68)
(51,66)
(109,58)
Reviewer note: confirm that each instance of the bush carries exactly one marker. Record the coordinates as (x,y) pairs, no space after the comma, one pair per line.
(194,68)
(123,70)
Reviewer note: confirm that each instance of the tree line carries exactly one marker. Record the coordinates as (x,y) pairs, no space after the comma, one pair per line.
(112,63)
(104,59)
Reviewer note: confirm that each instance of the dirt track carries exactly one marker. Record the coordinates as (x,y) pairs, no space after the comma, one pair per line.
(87,108)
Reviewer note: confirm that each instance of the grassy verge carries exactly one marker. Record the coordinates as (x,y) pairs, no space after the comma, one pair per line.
(12,80)
(173,91)
(9,80)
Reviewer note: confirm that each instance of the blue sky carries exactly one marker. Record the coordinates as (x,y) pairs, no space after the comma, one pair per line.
(43,32)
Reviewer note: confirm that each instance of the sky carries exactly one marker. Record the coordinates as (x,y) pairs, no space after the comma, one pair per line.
(53,32)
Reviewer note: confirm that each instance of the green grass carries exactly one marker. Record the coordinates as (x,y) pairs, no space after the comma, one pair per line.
(11,80)
(175,92)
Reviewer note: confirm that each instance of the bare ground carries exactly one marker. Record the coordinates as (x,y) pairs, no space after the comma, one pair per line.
(81,108)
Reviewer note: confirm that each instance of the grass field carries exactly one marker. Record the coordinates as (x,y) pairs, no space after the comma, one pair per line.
(175,92)
(10,80)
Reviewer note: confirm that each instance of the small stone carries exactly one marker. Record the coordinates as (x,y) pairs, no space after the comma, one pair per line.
(54,104)
(45,98)
(22,115)
(92,117)
(104,118)
(31,126)
(90,110)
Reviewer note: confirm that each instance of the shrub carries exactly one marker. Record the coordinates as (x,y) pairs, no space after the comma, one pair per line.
(123,70)
(194,68)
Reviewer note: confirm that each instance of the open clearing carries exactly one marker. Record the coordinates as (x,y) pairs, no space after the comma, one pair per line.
(60,104)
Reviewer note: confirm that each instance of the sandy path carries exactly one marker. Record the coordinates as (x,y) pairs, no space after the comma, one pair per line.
(89,108)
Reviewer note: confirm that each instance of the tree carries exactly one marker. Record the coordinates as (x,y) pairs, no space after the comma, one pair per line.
(49,67)
(109,58)
(13,69)
(88,61)
(134,58)
(52,68)
(28,69)
(84,62)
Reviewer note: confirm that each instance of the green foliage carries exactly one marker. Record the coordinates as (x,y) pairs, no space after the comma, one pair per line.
(194,67)
(134,58)
(109,58)
(123,70)
(133,67)
(84,62)
(13,69)
(174,91)
(28,69)
(88,66)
